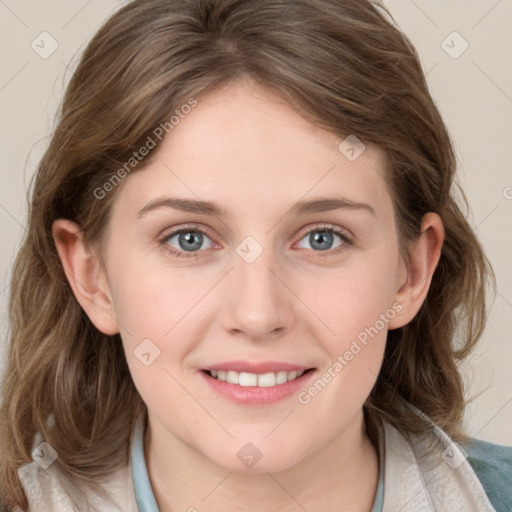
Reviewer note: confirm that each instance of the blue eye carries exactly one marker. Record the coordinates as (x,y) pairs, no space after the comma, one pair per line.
(188,239)
(191,241)
(320,238)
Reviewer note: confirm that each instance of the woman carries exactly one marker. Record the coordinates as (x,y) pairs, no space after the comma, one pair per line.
(243,273)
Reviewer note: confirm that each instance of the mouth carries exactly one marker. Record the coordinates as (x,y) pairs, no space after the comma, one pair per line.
(253,384)
(261,380)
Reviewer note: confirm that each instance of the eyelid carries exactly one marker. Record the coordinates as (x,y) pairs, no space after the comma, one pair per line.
(328,227)
(190,227)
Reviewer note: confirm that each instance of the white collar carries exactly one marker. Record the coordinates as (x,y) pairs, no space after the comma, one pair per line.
(428,473)
(414,479)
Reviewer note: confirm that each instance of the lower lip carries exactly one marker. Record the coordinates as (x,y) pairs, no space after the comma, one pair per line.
(255,395)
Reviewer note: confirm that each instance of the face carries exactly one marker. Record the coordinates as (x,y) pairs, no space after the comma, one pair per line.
(260,288)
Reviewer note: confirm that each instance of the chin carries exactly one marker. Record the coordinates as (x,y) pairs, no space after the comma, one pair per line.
(248,459)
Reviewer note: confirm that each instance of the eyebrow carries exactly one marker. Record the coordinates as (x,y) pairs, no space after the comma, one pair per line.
(209,208)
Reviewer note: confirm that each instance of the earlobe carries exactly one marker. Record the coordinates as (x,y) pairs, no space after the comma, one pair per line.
(424,257)
(85,275)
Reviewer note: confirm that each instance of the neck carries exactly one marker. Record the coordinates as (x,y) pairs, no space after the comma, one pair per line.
(343,475)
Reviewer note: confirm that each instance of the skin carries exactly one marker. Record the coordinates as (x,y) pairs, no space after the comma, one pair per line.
(246,149)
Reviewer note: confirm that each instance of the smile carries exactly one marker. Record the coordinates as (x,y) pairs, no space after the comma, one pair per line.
(261,380)
(262,386)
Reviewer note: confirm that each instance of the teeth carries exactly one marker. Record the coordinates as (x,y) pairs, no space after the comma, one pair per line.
(253,379)
(266,380)
(281,377)
(232,377)
(247,379)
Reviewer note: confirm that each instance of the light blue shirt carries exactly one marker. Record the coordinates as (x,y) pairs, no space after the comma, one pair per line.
(144,494)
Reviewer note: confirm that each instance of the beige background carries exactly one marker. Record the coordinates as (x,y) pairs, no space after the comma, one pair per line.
(473,90)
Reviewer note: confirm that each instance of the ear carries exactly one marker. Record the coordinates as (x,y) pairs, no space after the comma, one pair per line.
(424,256)
(86,275)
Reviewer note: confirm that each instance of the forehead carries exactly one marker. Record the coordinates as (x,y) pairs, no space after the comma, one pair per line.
(243,146)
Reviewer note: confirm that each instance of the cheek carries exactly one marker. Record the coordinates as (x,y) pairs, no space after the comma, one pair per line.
(149,299)
(156,335)
(355,307)
(355,310)
(353,299)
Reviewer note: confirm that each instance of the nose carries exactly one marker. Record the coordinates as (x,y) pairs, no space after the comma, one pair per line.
(260,303)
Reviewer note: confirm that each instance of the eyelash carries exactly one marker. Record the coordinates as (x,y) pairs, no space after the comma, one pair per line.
(347,242)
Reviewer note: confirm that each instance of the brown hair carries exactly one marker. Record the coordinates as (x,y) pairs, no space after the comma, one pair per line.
(343,65)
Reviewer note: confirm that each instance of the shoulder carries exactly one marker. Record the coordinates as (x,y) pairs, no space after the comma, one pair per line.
(492,464)
(485,478)
(46,490)
(42,487)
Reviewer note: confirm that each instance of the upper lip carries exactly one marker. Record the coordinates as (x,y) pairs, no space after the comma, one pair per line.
(256,367)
